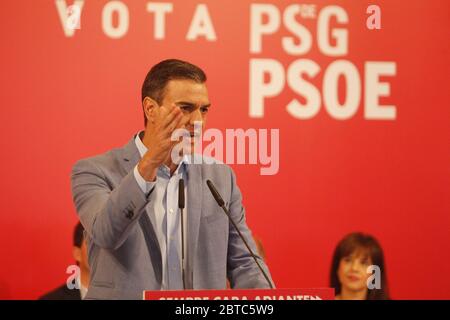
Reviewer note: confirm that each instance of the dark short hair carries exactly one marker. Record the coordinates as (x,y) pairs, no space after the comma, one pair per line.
(160,74)
(78,235)
(350,244)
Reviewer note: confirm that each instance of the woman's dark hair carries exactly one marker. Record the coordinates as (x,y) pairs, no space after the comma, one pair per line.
(368,244)
(78,235)
(160,74)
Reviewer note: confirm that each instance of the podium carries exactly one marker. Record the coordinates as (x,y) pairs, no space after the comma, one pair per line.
(242,294)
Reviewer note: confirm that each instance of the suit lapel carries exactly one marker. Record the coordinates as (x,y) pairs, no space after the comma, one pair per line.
(130,155)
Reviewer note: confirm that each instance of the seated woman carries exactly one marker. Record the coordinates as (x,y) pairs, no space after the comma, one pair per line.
(349,272)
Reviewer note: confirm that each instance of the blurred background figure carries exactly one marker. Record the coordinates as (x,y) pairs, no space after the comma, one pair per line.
(349,274)
(80,256)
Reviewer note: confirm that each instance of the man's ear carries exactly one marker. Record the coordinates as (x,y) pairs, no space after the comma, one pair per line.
(149,105)
(76,252)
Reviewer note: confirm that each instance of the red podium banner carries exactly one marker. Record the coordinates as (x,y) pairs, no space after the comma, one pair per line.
(240,294)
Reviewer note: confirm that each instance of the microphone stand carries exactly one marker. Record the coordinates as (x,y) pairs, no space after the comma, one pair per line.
(221,204)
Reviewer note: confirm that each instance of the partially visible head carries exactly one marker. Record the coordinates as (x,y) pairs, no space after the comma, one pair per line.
(351,258)
(79,248)
(176,83)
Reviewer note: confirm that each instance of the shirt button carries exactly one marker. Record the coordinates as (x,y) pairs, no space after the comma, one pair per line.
(171,210)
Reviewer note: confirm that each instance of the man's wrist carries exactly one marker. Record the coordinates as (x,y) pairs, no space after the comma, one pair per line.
(147,170)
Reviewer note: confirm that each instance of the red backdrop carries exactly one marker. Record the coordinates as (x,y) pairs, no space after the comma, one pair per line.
(64,98)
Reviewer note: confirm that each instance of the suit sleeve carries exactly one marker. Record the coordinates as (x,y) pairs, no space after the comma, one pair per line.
(107,214)
(241,268)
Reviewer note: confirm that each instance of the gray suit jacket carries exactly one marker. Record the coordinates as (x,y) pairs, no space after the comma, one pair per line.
(124,253)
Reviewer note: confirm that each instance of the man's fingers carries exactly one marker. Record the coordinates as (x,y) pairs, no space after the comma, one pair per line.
(170,117)
(173,125)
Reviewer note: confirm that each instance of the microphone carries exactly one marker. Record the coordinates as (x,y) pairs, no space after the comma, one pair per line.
(181,204)
(221,204)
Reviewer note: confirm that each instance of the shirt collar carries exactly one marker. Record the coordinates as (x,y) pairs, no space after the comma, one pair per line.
(139,144)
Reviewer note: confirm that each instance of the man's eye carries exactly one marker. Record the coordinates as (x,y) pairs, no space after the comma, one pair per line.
(185,108)
(204,110)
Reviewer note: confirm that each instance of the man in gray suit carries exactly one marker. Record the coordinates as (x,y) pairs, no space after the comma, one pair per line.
(127,200)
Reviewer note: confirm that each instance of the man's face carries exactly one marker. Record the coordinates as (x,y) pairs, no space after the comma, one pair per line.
(192,98)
